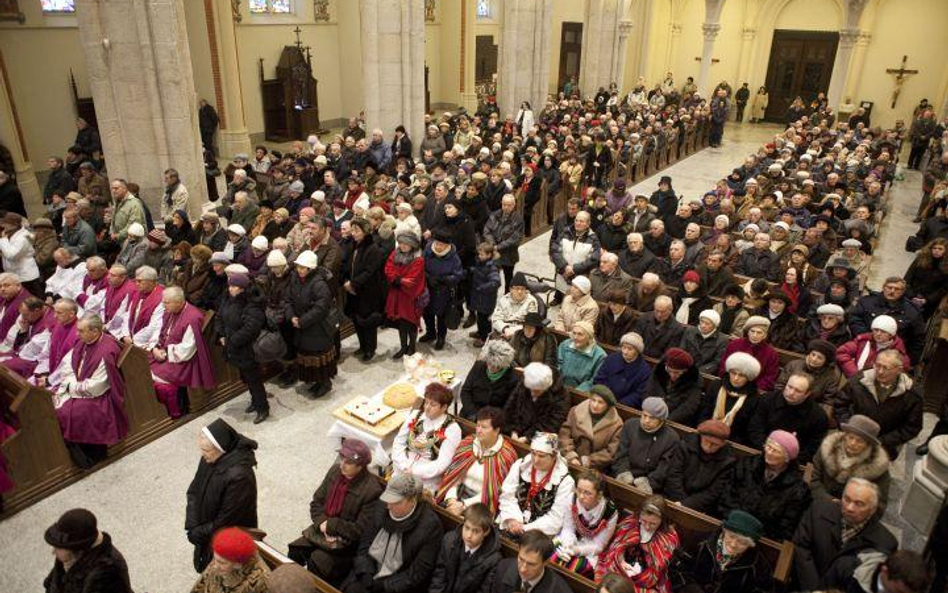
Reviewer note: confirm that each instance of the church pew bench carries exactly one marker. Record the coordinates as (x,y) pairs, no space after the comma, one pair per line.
(273,558)
(693,526)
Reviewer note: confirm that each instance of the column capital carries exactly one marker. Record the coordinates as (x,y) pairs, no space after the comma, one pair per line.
(865,38)
(235,11)
(849,37)
(710,31)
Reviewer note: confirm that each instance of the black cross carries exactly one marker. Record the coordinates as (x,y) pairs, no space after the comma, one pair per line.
(297,30)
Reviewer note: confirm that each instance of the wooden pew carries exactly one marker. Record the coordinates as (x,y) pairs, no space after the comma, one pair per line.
(273,558)
(36,454)
(693,527)
(228,383)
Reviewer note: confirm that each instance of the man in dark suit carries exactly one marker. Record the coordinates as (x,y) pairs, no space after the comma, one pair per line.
(831,535)
(527,573)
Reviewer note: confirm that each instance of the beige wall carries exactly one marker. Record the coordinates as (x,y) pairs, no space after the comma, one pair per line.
(564,11)
(38,56)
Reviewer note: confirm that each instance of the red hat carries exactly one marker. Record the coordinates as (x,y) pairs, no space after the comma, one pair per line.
(234,544)
(715,429)
(678,360)
(691,276)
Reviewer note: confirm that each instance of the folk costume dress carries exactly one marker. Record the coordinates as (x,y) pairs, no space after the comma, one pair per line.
(642,559)
(477,475)
(586,534)
(538,500)
(424,448)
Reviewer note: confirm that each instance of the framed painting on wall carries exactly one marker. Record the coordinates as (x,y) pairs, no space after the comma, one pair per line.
(10,11)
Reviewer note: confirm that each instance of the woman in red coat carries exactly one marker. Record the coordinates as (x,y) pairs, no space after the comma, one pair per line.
(755,343)
(405,273)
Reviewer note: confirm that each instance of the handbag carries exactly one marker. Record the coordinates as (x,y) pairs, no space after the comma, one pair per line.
(422,300)
(269,346)
(453,314)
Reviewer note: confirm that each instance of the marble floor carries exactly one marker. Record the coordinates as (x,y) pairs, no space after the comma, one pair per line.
(140,499)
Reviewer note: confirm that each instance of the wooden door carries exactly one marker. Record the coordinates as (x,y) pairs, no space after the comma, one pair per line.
(485,59)
(801,64)
(571,49)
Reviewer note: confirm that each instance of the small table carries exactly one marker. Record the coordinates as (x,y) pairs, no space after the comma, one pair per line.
(379,437)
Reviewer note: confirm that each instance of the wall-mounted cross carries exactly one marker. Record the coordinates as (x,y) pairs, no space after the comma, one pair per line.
(900,75)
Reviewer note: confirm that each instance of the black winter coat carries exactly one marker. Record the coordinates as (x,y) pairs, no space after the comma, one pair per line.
(222,494)
(645,454)
(239,321)
(463,237)
(821,560)
(636,264)
(310,299)
(358,507)
(365,272)
(696,479)
(479,391)
(526,417)
(455,574)
(758,264)
(907,315)
(741,421)
(899,416)
(541,348)
(806,420)
(420,542)
(751,572)
(101,569)
(683,397)
(778,504)
(609,329)
(706,352)
(658,337)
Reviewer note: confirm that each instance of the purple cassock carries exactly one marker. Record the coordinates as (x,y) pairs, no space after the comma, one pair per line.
(141,307)
(196,372)
(10,311)
(63,339)
(96,286)
(114,297)
(97,420)
(23,366)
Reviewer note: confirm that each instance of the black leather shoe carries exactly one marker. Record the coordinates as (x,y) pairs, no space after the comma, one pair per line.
(261,416)
(428,337)
(287,379)
(922,450)
(398,355)
(250,409)
(318,390)
(367,356)
(439,345)
(470,321)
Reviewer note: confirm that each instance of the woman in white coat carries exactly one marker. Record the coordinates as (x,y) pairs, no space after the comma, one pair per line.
(525,118)
(16,252)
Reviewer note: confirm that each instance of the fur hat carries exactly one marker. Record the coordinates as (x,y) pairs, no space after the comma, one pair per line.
(605,393)
(743,363)
(537,375)
(831,309)
(886,324)
(712,316)
(497,354)
(276,259)
(633,339)
(827,349)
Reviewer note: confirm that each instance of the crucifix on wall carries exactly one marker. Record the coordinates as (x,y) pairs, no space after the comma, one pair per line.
(900,75)
(713,60)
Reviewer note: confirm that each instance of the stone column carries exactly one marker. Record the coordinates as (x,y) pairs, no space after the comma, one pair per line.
(859,61)
(140,72)
(600,36)
(620,55)
(841,66)
(468,42)
(671,53)
(229,100)
(524,60)
(749,35)
(926,492)
(11,136)
(393,64)
(710,34)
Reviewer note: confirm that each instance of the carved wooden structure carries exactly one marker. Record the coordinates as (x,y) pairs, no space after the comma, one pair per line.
(290,101)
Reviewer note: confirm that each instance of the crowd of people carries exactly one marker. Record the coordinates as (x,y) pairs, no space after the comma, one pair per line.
(742,314)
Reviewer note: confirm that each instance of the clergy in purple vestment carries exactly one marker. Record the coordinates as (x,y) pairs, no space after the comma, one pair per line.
(89,401)
(12,294)
(118,294)
(63,338)
(94,285)
(180,358)
(145,310)
(25,348)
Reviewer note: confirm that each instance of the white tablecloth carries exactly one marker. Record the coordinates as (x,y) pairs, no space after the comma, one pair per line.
(379,446)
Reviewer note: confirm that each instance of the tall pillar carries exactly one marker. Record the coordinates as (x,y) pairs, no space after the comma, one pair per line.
(468,55)
(710,34)
(11,136)
(524,61)
(620,55)
(600,37)
(855,71)
(645,55)
(229,98)
(393,64)
(671,53)
(140,73)
(841,66)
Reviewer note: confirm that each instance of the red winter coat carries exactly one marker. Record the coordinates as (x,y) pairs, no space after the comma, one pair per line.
(402,299)
(847,355)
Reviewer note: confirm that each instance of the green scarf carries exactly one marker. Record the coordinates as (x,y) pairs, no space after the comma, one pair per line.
(495,376)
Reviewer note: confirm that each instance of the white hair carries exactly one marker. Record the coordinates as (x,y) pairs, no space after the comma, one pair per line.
(609,257)
(663,299)
(146,273)
(174,293)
